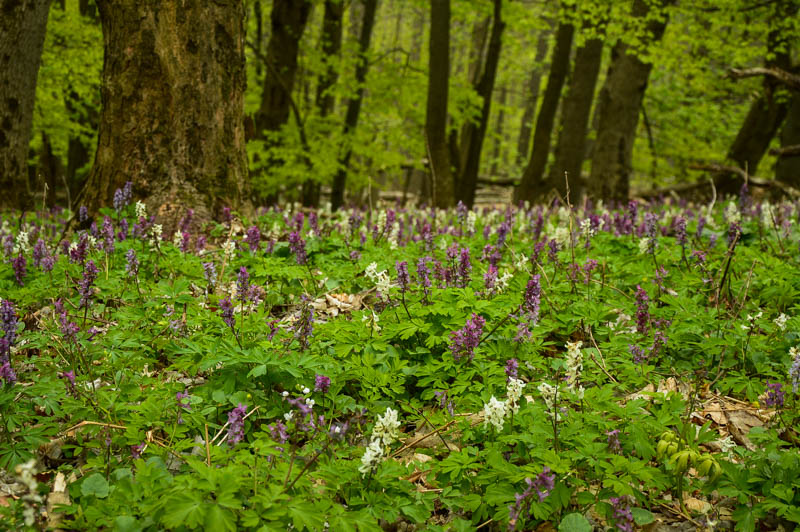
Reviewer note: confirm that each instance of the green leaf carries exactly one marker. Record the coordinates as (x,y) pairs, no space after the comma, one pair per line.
(96,485)
(218,518)
(642,516)
(575,522)
(126,523)
(417,512)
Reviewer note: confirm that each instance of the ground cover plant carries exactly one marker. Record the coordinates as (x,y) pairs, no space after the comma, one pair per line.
(512,368)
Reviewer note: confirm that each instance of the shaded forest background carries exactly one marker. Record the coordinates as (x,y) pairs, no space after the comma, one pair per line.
(431,99)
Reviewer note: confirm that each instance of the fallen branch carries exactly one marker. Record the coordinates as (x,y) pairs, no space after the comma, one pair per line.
(421,438)
(786,151)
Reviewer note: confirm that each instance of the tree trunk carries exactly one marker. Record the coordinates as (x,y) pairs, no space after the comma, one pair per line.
(22,31)
(618,103)
(532,98)
(530,187)
(331,44)
(499,153)
(787,169)
(354,104)
(173,107)
(767,112)
(571,144)
(436,108)
(468,179)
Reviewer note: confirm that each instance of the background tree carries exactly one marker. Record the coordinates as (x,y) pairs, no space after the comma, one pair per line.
(172,117)
(436,113)
(619,103)
(22,33)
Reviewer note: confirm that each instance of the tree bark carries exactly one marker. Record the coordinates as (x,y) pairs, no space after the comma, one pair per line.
(331,45)
(436,108)
(468,180)
(354,104)
(499,153)
(532,98)
(570,150)
(172,107)
(787,169)
(287,21)
(618,103)
(22,31)
(530,187)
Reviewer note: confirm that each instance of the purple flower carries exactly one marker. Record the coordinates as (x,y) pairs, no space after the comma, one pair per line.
(423,277)
(322,383)
(83,214)
(642,311)
(69,378)
(8,324)
(236,424)
(226,311)
(85,289)
(638,353)
(253,238)
(122,196)
(278,432)
(77,254)
(775,395)
(463,342)
(445,401)
(132,267)
(200,243)
(304,326)
(298,246)
(402,275)
(588,268)
(734,231)
(108,235)
(186,222)
(613,442)
(136,450)
(39,252)
(490,278)
(530,304)
(68,329)
(464,268)
(210,273)
(19,263)
(7,373)
(544,483)
(242,285)
(512,367)
(183,404)
(680,230)
(622,513)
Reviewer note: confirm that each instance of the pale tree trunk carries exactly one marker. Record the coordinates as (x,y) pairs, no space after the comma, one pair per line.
(331,44)
(570,148)
(468,179)
(531,187)
(531,99)
(173,107)
(22,31)
(354,104)
(436,108)
(618,106)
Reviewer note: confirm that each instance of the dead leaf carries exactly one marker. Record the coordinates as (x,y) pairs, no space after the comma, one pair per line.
(57,496)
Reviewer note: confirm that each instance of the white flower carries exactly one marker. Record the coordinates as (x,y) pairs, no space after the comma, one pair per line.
(22,245)
(644,245)
(732,214)
(92,241)
(471,219)
(387,427)
(574,362)
(502,282)
(780,321)
(177,239)
(561,236)
(371,271)
(586,228)
(306,390)
(751,321)
(380,278)
(141,210)
(155,232)
(767,215)
(514,389)
(285,393)
(373,455)
(494,412)
(228,248)
(372,319)
(549,393)
(288,415)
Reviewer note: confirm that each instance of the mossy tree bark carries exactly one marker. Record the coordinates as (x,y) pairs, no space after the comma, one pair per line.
(618,104)
(22,32)
(532,187)
(172,118)
(436,107)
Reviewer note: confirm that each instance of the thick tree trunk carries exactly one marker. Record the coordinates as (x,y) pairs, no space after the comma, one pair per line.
(571,145)
(331,45)
(618,105)
(436,108)
(531,186)
(173,107)
(468,180)
(787,169)
(354,104)
(22,31)
(531,99)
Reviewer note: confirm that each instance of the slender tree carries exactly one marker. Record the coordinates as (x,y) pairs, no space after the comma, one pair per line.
(531,186)
(618,106)
(331,45)
(570,150)
(787,169)
(531,98)
(354,104)
(173,107)
(468,178)
(436,108)
(22,32)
